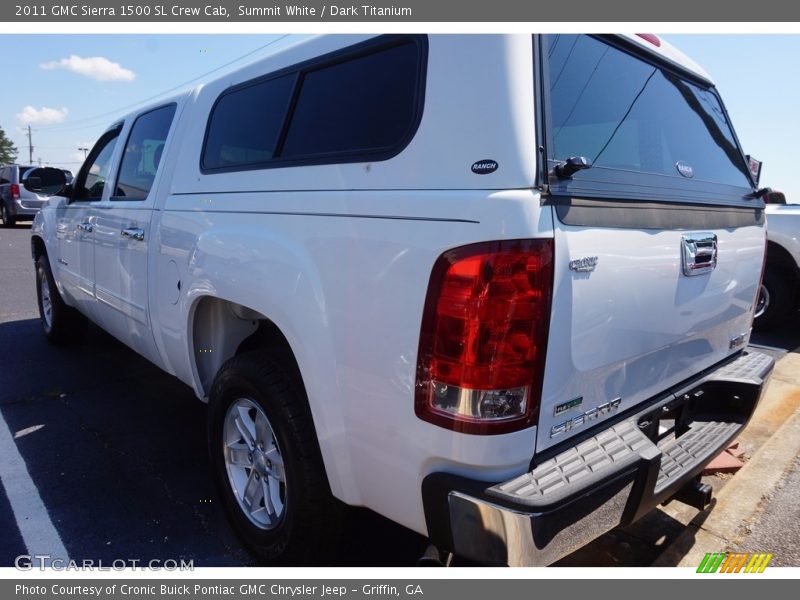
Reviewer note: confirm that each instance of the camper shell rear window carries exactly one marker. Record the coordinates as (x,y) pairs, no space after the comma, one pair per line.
(646,128)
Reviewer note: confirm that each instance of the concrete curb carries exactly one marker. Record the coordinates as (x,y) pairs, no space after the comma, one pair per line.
(737,502)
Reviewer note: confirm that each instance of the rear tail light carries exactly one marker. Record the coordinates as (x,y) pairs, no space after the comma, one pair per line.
(14,191)
(484,335)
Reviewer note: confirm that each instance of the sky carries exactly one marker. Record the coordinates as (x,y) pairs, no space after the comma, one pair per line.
(759,82)
(69,88)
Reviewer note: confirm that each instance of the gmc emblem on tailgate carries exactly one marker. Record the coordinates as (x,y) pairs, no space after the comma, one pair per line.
(699,252)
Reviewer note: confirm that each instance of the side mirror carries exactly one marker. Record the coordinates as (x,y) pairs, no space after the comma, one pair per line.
(44,180)
(34,184)
(773,197)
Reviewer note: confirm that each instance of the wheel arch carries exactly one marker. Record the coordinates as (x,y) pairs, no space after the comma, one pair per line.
(220,329)
(780,258)
(38,247)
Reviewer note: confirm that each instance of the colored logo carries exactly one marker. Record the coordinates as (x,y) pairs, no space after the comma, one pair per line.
(734,562)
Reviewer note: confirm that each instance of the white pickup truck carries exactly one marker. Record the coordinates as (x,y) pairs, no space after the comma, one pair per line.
(781,282)
(497,288)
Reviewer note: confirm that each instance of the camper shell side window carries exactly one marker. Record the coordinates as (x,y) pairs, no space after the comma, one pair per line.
(362,103)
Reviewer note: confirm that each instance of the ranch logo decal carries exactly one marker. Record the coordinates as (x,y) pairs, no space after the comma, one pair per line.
(734,562)
(484,167)
(684,169)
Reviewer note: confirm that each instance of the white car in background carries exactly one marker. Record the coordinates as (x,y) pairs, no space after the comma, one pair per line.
(779,289)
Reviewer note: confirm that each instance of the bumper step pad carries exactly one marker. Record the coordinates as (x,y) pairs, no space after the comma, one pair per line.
(578,467)
(624,445)
(749,368)
(702,441)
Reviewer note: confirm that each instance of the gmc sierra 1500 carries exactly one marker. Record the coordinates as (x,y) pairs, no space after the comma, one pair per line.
(497,288)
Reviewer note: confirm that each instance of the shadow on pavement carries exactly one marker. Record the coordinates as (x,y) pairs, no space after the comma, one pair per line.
(117,449)
(782,336)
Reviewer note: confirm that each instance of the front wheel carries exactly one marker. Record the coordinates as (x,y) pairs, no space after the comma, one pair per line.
(266,462)
(61,324)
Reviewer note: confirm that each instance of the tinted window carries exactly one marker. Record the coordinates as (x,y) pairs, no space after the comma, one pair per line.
(92,179)
(245,124)
(360,104)
(5,175)
(341,107)
(623,113)
(142,153)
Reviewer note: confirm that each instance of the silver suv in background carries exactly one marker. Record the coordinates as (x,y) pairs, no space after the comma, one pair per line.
(25,188)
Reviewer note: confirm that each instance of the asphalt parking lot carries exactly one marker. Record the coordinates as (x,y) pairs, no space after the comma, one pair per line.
(117,451)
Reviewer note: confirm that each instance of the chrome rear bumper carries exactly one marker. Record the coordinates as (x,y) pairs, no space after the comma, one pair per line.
(611,476)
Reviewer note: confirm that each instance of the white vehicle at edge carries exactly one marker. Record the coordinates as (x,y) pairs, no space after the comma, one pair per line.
(496,288)
(779,288)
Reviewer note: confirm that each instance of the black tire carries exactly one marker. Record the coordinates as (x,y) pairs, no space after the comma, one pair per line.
(8,221)
(778,298)
(307,528)
(64,324)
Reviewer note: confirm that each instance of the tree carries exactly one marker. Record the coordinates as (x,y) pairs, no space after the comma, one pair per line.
(8,151)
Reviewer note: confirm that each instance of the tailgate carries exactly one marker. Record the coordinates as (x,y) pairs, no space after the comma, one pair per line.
(659,239)
(637,324)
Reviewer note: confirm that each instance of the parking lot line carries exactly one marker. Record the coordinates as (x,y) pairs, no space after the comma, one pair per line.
(37,530)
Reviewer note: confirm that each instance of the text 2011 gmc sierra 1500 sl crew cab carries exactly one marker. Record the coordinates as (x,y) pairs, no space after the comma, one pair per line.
(497,288)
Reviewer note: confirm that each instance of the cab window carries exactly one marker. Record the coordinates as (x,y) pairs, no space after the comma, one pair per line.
(142,155)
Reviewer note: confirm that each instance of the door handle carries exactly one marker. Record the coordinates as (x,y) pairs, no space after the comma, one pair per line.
(85,226)
(699,251)
(133,233)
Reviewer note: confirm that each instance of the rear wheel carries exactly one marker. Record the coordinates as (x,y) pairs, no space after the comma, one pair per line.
(8,220)
(61,324)
(775,298)
(266,462)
